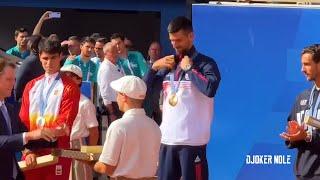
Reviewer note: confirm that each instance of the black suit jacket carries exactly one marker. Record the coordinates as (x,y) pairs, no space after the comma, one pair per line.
(10,144)
(30,68)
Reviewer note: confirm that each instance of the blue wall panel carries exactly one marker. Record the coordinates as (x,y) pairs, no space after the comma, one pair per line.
(258,52)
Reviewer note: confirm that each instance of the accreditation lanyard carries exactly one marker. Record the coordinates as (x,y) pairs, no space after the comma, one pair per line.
(175,88)
(89,72)
(313,109)
(129,66)
(83,65)
(43,102)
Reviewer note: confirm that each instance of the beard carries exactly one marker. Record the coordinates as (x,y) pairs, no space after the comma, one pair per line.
(181,51)
(310,78)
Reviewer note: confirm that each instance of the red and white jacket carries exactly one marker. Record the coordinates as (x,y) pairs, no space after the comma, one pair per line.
(62,105)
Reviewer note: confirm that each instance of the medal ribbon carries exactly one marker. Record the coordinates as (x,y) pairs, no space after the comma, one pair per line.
(43,102)
(313,109)
(84,65)
(175,88)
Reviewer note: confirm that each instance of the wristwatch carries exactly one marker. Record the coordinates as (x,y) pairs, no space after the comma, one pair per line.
(187,67)
(308,137)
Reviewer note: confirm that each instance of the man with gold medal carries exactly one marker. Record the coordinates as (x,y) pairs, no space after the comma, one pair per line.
(189,81)
(49,101)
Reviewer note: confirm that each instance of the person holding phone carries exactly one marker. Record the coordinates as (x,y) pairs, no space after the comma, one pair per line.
(45,16)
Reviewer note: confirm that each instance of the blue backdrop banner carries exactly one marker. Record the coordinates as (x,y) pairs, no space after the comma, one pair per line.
(257,49)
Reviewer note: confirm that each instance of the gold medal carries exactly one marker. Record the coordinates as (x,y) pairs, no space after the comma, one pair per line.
(173,99)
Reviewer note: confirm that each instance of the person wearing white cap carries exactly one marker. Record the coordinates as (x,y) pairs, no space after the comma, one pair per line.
(132,145)
(84,128)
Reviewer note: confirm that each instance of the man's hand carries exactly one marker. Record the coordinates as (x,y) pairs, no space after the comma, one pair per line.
(186,63)
(294,132)
(102,168)
(44,133)
(165,62)
(293,127)
(65,42)
(301,135)
(31,160)
(62,130)
(45,16)
(71,57)
(37,28)
(89,163)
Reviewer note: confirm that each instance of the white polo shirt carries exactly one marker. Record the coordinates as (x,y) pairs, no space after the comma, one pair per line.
(108,72)
(132,144)
(86,118)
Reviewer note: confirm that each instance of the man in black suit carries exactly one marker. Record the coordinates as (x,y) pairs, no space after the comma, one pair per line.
(13,135)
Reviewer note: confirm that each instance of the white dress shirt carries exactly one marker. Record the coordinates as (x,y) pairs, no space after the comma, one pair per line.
(107,73)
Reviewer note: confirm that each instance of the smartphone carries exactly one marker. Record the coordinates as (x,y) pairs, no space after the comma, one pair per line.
(55,15)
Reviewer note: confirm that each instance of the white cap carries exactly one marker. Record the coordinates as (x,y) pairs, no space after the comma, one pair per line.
(72,68)
(132,86)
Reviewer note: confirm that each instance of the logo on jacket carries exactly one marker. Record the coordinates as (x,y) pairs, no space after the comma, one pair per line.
(56,92)
(197,159)
(58,170)
(187,77)
(134,65)
(303,102)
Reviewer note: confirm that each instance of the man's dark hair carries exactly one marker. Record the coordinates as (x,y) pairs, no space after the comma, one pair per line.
(314,50)
(180,23)
(19,30)
(117,35)
(87,40)
(65,50)
(5,63)
(75,38)
(33,43)
(49,46)
(155,42)
(102,40)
